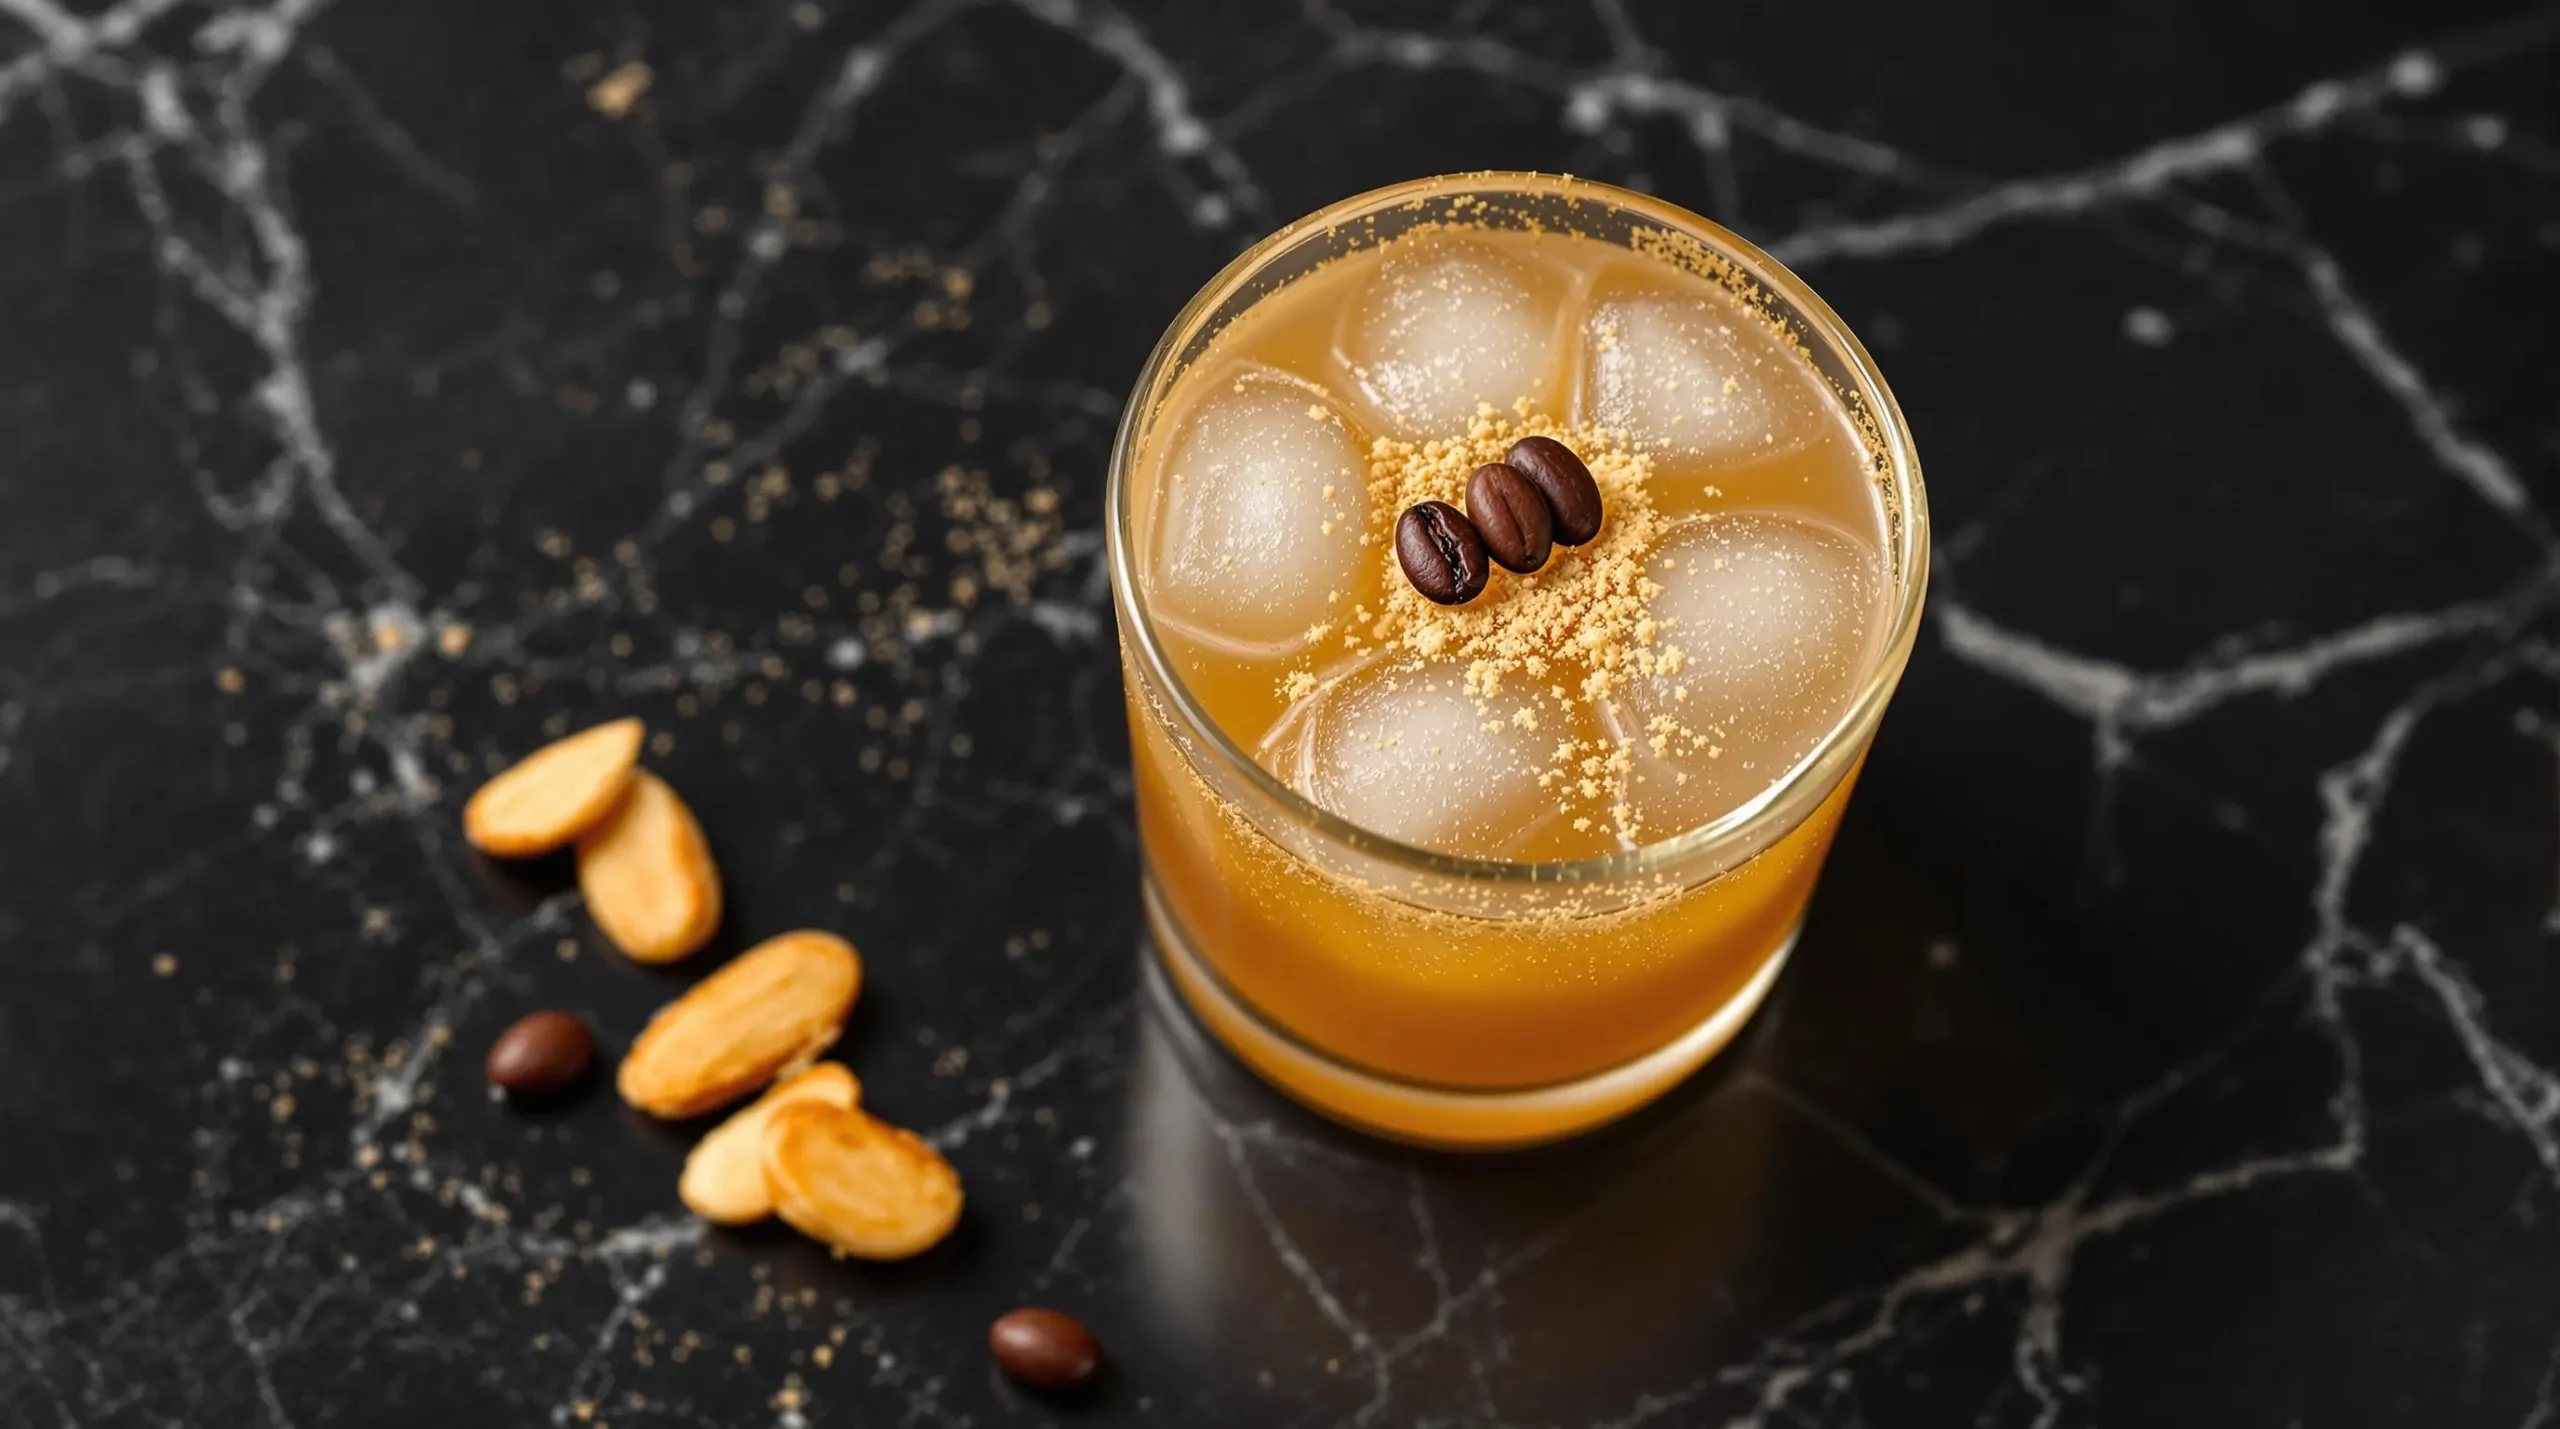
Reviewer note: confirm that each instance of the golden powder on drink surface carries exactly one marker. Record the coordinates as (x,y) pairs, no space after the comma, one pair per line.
(1567,634)
(1585,610)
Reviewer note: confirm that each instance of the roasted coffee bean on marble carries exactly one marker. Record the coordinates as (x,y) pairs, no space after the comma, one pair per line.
(1560,477)
(542,1053)
(1043,1348)
(1441,552)
(1511,516)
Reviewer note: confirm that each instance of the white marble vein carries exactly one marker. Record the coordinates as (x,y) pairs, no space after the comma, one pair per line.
(2155,169)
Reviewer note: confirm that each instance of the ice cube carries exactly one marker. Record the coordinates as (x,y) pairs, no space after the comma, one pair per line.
(1400,748)
(1695,374)
(1260,517)
(1776,619)
(1447,323)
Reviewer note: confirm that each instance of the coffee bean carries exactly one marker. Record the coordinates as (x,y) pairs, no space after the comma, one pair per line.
(1044,1348)
(1560,477)
(1511,516)
(544,1052)
(1440,552)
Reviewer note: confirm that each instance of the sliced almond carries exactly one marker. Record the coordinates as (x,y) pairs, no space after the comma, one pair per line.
(779,1003)
(555,793)
(723,1179)
(647,874)
(857,1183)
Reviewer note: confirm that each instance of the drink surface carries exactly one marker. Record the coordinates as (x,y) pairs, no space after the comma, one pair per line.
(1741,576)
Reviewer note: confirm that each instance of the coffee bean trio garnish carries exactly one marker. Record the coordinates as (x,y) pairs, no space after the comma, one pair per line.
(1518,509)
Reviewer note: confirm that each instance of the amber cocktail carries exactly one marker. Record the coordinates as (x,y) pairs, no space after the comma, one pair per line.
(1490,873)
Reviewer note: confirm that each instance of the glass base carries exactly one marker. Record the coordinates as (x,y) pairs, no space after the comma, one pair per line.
(1443,1117)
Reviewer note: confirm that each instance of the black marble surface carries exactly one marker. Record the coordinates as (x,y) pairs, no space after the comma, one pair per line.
(2174,1040)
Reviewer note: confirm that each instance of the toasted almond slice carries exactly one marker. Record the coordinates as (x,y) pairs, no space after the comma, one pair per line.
(859,1184)
(555,793)
(780,1002)
(647,874)
(723,1179)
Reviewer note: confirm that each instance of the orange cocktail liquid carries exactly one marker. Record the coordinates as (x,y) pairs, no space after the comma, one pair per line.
(1437,1004)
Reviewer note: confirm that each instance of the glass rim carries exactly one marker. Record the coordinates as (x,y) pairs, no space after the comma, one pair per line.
(1736,826)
